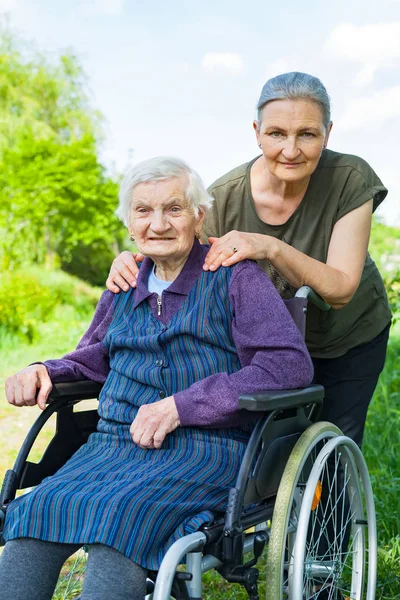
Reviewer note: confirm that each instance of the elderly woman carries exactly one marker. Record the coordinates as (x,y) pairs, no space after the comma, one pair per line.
(304,213)
(175,353)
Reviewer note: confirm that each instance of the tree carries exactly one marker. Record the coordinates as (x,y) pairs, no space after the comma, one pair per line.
(56,199)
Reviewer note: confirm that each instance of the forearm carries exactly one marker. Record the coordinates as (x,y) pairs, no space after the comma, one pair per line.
(333,285)
(92,365)
(213,402)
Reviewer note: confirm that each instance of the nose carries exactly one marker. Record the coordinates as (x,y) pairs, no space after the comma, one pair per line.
(290,150)
(159,223)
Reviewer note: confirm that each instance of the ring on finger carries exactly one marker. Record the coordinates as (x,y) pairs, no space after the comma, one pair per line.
(234,249)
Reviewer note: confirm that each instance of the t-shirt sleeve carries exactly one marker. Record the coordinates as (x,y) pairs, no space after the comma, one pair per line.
(211,224)
(362,185)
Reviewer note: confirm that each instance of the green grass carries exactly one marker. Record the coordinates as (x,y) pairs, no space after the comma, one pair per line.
(57,337)
(381,451)
(381,444)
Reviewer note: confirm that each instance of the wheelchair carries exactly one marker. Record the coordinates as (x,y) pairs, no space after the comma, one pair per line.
(302,495)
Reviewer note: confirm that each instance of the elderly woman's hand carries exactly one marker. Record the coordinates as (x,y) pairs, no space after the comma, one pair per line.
(235,246)
(153,423)
(29,387)
(123,272)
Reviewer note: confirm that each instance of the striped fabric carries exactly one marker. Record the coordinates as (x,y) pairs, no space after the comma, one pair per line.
(111,491)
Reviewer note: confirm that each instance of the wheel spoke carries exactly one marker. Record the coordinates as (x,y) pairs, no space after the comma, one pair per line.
(326,492)
(70,583)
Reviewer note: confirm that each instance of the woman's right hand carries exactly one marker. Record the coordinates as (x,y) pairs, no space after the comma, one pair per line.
(123,272)
(29,387)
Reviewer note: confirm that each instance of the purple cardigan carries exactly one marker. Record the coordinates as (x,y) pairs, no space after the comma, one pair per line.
(268,343)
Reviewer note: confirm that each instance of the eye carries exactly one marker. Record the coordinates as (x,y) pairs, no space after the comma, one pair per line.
(308,134)
(275,134)
(175,209)
(141,210)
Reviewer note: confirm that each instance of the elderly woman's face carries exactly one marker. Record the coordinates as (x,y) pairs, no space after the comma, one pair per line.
(162,221)
(292,136)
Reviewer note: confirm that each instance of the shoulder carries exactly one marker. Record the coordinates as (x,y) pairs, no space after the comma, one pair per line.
(346,162)
(110,303)
(106,302)
(250,274)
(230,179)
(350,178)
(252,292)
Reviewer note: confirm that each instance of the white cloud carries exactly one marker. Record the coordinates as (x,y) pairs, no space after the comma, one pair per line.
(222,62)
(374,109)
(106,7)
(374,46)
(7,5)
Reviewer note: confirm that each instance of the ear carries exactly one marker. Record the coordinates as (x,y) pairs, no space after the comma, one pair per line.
(200,220)
(328,133)
(257,132)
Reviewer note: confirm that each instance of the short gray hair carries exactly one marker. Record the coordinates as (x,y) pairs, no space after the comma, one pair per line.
(294,86)
(160,168)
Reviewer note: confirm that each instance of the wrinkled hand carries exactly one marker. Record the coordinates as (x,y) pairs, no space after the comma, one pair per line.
(153,423)
(253,246)
(123,272)
(22,388)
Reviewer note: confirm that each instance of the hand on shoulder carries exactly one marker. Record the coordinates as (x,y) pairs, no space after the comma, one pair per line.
(236,246)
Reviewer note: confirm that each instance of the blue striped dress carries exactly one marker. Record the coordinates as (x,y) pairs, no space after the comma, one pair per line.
(113,492)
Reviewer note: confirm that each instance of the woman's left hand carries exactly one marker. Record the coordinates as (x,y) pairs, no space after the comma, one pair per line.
(235,246)
(153,423)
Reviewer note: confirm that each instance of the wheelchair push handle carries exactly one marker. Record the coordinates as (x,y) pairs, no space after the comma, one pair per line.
(307,292)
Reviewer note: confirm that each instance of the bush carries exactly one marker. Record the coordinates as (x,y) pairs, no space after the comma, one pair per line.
(392,284)
(29,298)
(92,262)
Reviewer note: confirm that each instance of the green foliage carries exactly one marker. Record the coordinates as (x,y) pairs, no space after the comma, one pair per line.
(388,584)
(29,298)
(392,283)
(55,197)
(90,262)
(385,250)
(46,97)
(24,303)
(382,442)
(384,247)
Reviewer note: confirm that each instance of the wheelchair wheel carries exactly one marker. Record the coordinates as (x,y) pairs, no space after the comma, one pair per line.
(70,582)
(323,518)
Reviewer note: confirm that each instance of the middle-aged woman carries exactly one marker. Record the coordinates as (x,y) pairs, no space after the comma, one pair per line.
(304,213)
(175,354)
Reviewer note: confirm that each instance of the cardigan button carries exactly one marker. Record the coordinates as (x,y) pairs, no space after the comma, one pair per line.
(162,394)
(159,362)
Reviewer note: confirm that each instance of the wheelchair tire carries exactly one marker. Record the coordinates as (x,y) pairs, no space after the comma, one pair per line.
(310,494)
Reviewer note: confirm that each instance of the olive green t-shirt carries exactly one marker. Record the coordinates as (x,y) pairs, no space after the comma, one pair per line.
(340,183)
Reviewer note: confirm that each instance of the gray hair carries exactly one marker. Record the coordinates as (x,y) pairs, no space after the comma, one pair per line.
(294,86)
(159,169)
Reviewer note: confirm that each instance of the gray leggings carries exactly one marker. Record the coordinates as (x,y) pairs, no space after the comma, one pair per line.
(29,569)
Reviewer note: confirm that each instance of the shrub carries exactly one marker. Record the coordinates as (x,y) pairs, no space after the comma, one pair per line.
(28,299)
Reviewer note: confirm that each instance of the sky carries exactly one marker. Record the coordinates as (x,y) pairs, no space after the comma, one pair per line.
(182,77)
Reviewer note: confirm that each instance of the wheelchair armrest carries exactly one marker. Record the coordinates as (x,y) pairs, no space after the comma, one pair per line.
(282,399)
(75,391)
